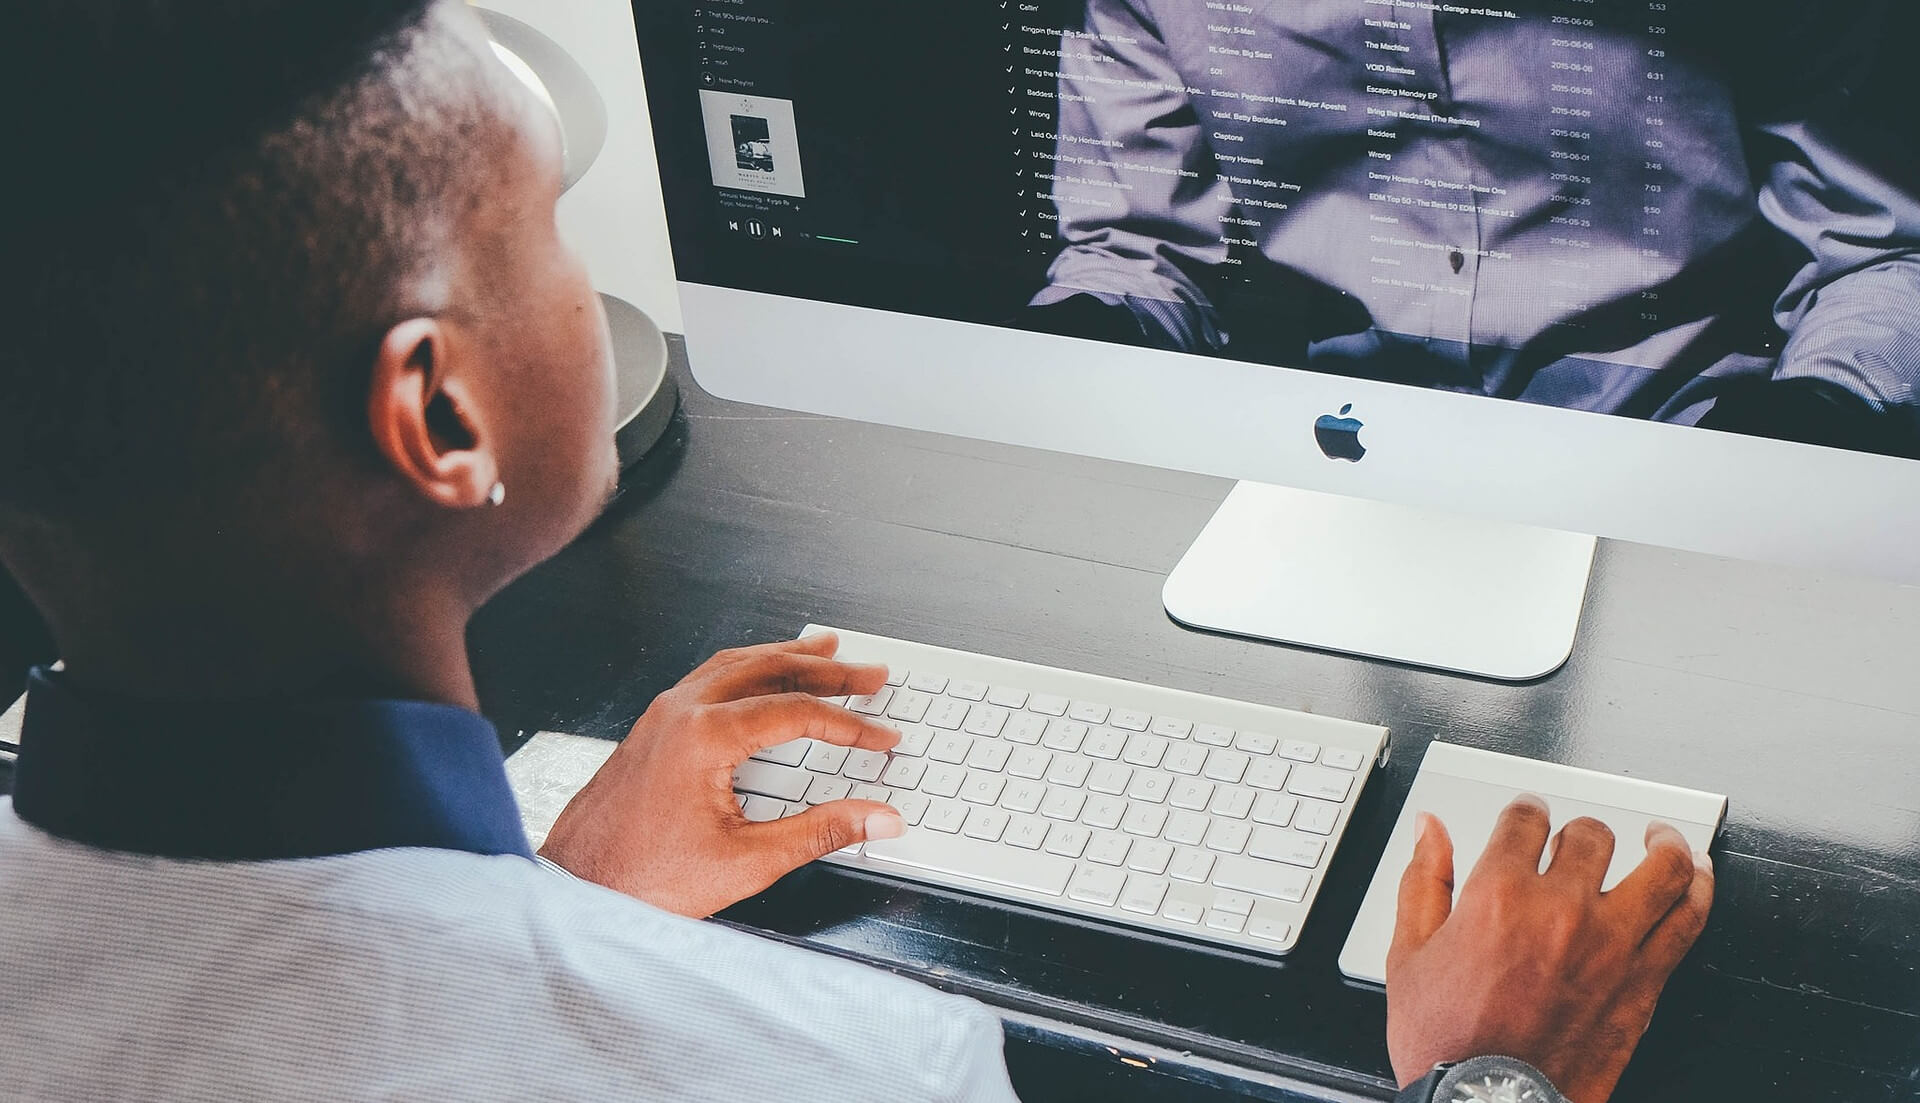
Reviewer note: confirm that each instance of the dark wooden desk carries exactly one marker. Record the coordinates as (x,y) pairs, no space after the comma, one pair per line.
(1793,693)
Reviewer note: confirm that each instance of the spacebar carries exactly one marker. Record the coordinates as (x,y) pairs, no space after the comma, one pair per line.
(963,857)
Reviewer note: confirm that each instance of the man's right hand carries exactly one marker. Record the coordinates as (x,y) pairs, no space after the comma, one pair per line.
(1540,966)
(660,821)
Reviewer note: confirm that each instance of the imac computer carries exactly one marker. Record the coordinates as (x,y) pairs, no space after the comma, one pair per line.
(1453,288)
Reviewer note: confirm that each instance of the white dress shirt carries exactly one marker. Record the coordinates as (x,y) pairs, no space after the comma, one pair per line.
(408,972)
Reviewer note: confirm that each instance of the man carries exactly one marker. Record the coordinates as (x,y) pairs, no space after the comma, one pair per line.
(296,375)
(1692,213)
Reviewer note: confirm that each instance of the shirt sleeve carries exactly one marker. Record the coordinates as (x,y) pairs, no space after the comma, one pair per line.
(1844,190)
(979,1060)
(1144,236)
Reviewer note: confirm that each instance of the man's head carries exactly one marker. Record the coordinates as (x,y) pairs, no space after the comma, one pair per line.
(283,287)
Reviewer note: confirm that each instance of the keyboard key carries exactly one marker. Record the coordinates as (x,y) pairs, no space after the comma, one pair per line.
(1191,865)
(1320,783)
(927,683)
(1268,773)
(994,864)
(1213,735)
(872,792)
(769,780)
(1275,809)
(909,707)
(825,789)
(1023,796)
(914,741)
(1167,727)
(985,720)
(1063,804)
(1069,771)
(1185,759)
(943,780)
(1277,844)
(944,815)
(968,691)
(1087,712)
(1273,930)
(1145,750)
(864,765)
(791,753)
(1094,885)
(1191,793)
(1257,743)
(1109,848)
(1232,802)
(1106,743)
(1318,817)
(1029,762)
(761,809)
(1068,839)
(982,787)
(1144,820)
(1047,704)
(989,754)
(1225,921)
(825,758)
(1103,812)
(948,714)
(1341,758)
(1228,836)
(987,824)
(904,773)
(1026,832)
(1110,778)
(913,808)
(1006,697)
(1262,878)
(1024,728)
(1227,766)
(1065,735)
(1233,903)
(1187,828)
(897,677)
(1183,911)
(951,747)
(872,704)
(1131,720)
(1143,894)
(1150,785)
(1300,750)
(1150,856)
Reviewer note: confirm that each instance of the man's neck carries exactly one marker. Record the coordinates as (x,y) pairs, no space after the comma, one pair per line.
(201,633)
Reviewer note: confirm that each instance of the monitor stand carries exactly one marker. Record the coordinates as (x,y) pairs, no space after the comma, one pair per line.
(1392,582)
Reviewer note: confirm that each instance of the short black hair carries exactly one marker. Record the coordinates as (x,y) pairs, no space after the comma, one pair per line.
(211,209)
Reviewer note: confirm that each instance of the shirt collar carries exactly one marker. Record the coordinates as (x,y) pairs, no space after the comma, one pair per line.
(260,780)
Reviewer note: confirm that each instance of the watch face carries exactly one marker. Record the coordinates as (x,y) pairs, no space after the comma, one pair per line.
(1496,1085)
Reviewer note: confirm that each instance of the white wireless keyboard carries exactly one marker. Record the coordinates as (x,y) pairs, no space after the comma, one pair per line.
(1154,808)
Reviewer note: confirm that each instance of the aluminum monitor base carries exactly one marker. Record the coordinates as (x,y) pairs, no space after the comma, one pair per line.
(1412,586)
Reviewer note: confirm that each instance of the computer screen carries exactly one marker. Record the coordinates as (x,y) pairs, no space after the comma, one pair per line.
(1691,214)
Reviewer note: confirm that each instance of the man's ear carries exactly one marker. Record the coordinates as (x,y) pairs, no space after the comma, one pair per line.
(425,419)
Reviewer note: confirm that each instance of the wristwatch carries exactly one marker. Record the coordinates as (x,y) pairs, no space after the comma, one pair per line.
(1482,1080)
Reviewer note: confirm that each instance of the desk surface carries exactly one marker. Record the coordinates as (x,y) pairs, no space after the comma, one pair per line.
(1792,693)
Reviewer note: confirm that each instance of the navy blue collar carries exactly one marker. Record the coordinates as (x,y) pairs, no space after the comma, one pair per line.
(259,780)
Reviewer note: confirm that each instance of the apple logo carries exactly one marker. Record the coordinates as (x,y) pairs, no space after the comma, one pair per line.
(1339,435)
